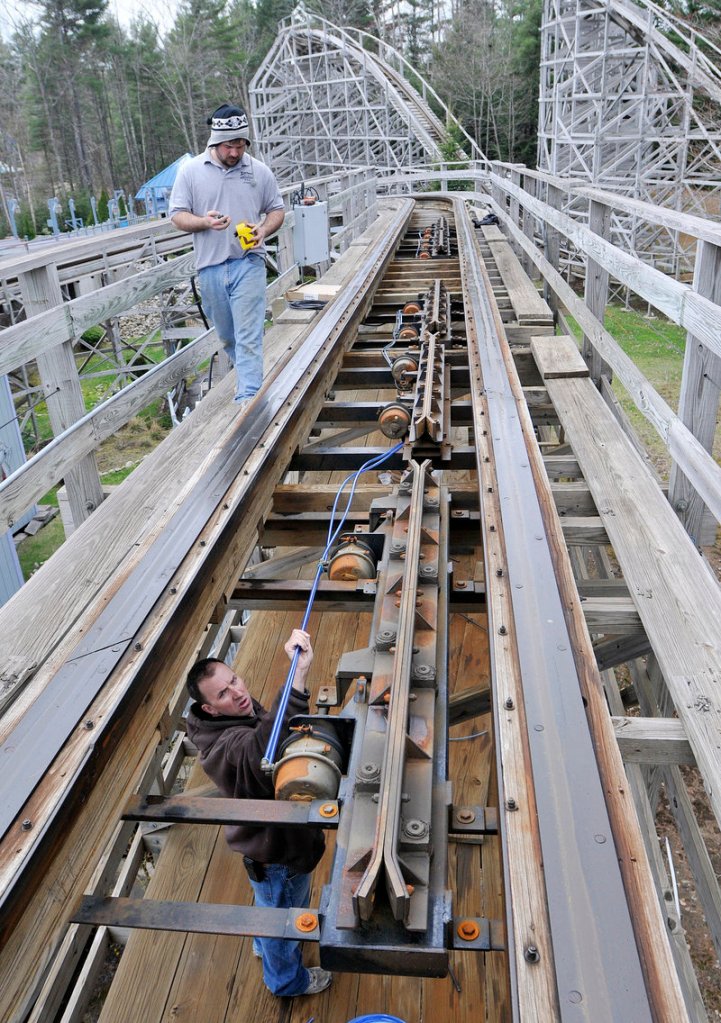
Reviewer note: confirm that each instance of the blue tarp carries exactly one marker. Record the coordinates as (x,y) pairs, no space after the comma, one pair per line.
(157,190)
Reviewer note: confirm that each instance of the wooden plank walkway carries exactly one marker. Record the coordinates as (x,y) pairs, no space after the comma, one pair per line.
(528,305)
(661,567)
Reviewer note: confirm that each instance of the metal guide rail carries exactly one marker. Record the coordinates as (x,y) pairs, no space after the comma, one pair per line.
(596,960)
(389,867)
(372,763)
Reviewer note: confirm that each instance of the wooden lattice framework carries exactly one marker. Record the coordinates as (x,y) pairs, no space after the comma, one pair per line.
(327,98)
(629,101)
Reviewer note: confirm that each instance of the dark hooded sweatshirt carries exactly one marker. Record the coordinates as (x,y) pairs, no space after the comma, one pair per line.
(230,750)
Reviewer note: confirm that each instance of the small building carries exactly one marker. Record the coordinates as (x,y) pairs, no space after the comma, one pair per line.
(156,192)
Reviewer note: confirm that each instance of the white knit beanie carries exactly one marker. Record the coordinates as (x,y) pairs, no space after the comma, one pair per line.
(227,124)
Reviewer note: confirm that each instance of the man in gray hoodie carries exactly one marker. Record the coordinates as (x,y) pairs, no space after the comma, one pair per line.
(231,730)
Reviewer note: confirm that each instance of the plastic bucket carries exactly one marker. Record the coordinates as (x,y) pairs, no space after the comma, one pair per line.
(376,1017)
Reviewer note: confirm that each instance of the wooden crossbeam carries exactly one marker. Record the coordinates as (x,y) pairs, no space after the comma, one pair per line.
(621,649)
(653,741)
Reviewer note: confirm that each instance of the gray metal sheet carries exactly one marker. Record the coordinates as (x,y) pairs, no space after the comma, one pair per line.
(598,971)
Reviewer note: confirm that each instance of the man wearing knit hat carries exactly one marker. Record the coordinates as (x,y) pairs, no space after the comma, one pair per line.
(213,192)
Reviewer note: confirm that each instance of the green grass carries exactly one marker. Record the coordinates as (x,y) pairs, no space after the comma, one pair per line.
(116,476)
(94,391)
(657,347)
(36,550)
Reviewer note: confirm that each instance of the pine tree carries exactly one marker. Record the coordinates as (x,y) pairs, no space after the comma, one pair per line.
(487,70)
(72,31)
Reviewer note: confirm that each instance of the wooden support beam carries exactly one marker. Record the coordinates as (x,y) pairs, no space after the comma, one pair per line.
(652,741)
(617,615)
(601,587)
(596,292)
(552,244)
(620,649)
(699,401)
(61,385)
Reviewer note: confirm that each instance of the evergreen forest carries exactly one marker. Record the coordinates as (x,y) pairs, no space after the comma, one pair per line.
(89,106)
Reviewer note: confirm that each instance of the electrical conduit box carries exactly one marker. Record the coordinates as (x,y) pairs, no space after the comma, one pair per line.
(311,233)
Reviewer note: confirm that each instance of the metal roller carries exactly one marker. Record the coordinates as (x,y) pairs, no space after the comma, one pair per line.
(310,763)
(394,420)
(353,560)
(403,371)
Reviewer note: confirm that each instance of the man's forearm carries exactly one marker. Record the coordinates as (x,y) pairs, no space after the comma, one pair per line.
(186,221)
(300,679)
(272,222)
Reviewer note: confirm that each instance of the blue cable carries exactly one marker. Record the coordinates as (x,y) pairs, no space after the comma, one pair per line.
(267,763)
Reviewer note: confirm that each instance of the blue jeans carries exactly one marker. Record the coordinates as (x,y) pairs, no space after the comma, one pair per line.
(283,970)
(233,296)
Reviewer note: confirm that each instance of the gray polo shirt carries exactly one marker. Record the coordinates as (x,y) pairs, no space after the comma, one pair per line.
(243,193)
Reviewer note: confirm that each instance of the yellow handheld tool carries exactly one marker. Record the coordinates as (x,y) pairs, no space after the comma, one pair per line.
(245,235)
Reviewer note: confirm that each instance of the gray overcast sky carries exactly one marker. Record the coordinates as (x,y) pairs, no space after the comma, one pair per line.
(159,11)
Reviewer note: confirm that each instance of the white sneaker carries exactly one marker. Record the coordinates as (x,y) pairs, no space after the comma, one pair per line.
(243,405)
(320,979)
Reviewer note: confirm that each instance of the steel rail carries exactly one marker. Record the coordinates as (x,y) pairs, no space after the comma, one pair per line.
(30,748)
(385,844)
(598,971)
(427,415)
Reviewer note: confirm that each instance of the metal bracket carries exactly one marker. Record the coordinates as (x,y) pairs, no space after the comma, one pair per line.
(222,810)
(200,918)
(477,934)
(473,820)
